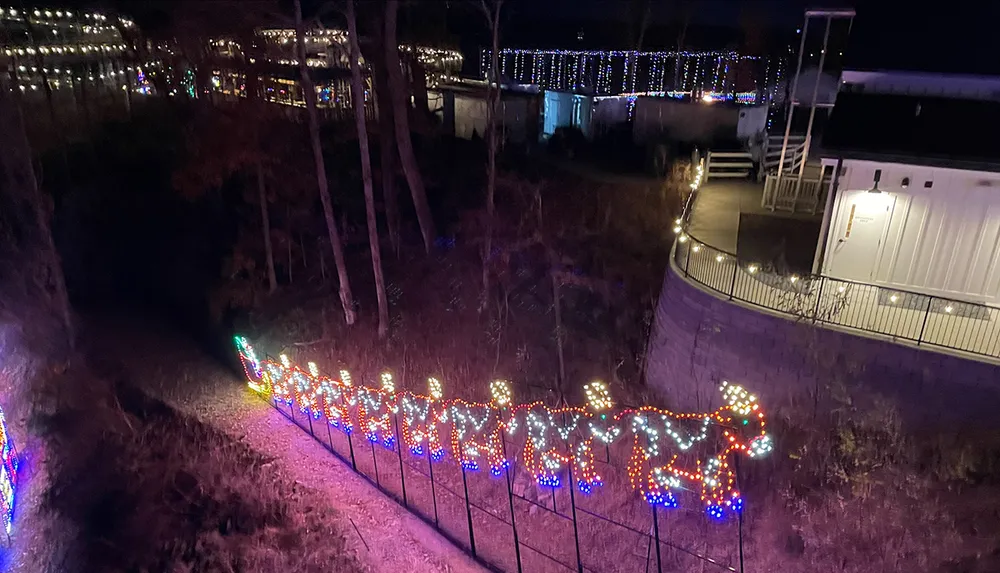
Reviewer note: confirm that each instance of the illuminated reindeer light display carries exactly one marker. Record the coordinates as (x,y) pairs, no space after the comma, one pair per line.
(375,410)
(476,430)
(670,452)
(421,416)
(558,438)
(339,399)
(666,447)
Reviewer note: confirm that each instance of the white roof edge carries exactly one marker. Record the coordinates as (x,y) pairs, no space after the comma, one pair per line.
(866,75)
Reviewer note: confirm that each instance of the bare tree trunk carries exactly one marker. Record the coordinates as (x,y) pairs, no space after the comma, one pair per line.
(265,224)
(401,120)
(358,99)
(493,96)
(387,142)
(346,298)
(24,203)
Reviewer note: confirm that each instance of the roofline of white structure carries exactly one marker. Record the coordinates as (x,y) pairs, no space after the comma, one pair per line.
(922,79)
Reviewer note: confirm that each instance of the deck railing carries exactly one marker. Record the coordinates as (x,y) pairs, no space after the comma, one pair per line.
(902,315)
(789,193)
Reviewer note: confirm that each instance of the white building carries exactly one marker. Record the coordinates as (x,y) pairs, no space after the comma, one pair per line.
(915,199)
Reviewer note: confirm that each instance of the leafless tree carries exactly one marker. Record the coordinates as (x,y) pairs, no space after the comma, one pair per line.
(491,10)
(400,95)
(309,90)
(358,98)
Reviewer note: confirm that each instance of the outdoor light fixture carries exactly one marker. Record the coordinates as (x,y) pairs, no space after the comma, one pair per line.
(905,183)
(878,176)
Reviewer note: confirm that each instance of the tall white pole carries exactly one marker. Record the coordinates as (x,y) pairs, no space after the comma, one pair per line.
(791,96)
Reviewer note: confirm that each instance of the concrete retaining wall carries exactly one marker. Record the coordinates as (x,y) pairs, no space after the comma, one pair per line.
(699,339)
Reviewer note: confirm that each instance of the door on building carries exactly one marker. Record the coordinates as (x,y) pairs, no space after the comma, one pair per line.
(859,235)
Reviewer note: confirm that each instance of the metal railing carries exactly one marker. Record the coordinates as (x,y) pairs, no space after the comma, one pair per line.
(788,193)
(899,314)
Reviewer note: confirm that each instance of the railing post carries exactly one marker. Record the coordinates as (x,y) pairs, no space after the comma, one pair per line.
(927,313)
(732,285)
(819,296)
(687,261)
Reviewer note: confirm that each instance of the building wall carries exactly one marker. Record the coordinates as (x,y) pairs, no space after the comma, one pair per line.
(686,121)
(699,340)
(941,239)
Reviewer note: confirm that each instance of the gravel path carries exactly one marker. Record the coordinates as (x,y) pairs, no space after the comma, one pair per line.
(384,536)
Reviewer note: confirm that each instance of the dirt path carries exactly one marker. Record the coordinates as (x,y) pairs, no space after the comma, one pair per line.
(383,535)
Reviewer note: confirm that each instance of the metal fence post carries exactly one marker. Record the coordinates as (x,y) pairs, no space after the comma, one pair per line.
(350,446)
(576,532)
(739,513)
(430,466)
(375,462)
(656,538)
(399,452)
(468,508)
(927,313)
(329,434)
(510,494)
(309,416)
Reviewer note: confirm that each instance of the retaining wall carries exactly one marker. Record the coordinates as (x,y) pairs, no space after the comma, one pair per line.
(700,339)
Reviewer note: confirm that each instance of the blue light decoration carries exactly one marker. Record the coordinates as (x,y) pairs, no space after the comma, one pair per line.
(673,453)
(8,474)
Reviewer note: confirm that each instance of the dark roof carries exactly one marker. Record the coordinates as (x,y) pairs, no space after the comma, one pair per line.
(915,129)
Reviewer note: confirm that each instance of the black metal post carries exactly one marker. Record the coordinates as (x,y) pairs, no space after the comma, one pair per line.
(430,466)
(399,452)
(687,261)
(510,493)
(350,446)
(732,285)
(739,514)
(576,532)
(819,297)
(309,416)
(375,462)
(927,313)
(656,538)
(329,434)
(468,508)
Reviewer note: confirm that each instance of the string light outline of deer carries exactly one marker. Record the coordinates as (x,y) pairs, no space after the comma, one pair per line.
(714,476)
(375,410)
(476,430)
(549,450)
(421,416)
(664,456)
